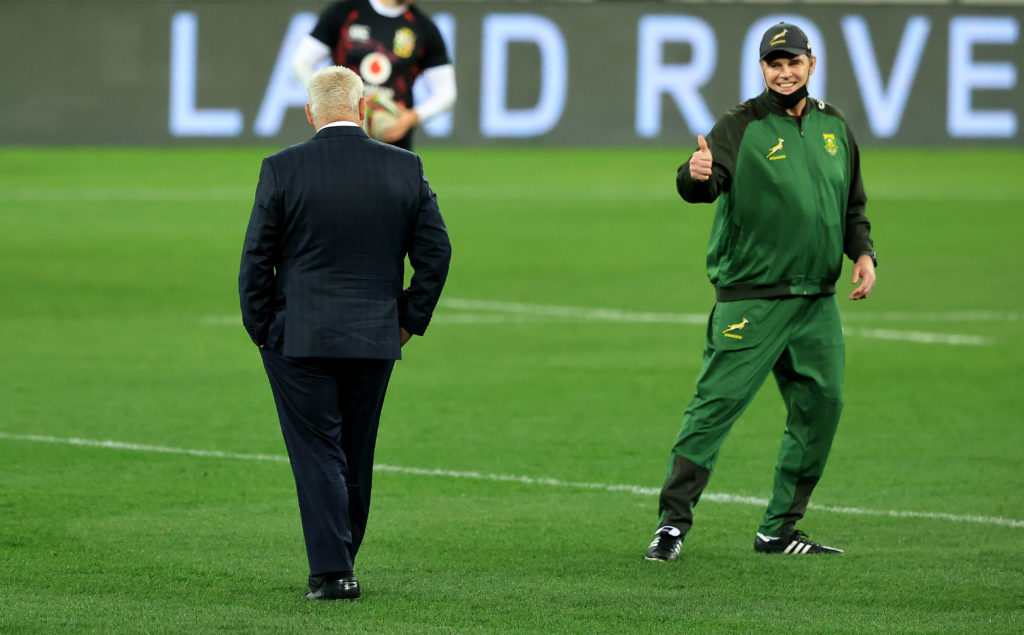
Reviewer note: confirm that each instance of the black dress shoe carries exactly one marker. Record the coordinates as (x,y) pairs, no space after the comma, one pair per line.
(338,589)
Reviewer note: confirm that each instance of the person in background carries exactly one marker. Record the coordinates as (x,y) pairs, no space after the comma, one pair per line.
(390,43)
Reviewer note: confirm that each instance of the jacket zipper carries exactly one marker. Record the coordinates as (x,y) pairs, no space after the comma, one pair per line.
(811,175)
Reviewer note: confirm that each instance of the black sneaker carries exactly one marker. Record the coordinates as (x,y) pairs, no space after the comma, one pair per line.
(796,544)
(666,544)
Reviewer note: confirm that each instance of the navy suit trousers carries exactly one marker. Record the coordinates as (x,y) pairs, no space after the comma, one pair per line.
(330,411)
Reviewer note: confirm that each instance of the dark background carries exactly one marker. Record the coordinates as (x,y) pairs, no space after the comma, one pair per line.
(97,72)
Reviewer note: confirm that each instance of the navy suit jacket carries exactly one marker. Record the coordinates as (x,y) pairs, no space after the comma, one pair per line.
(323,259)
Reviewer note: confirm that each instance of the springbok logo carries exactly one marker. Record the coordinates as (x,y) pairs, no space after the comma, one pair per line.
(778,38)
(735,327)
(771,156)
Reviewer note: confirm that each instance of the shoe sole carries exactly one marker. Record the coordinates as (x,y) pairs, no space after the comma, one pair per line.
(311,598)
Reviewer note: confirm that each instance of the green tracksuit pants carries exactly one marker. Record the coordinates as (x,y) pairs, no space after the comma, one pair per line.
(800,341)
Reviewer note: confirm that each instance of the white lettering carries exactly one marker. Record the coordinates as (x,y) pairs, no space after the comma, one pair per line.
(885,106)
(496,118)
(967,76)
(283,90)
(680,81)
(185,120)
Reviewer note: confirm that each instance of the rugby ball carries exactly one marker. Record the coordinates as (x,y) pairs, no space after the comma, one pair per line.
(381,114)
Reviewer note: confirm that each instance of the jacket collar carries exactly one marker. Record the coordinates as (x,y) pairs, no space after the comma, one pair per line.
(339,131)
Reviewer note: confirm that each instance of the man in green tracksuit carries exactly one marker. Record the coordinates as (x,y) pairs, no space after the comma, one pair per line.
(786,173)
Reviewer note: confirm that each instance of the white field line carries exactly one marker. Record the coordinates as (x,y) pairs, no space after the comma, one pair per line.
(510,478)
(466,311)
(574,312)
(484,318)
(920,337)
(617,315)
(937,316)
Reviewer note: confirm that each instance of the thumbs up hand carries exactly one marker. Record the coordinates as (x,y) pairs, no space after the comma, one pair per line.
(700,161)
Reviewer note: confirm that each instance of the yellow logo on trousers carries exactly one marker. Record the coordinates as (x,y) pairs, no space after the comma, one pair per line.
(735,327)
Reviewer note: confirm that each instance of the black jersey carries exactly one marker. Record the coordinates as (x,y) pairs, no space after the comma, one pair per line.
(388,53)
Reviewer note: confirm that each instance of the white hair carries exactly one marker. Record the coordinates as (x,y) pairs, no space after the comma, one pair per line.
(334,94)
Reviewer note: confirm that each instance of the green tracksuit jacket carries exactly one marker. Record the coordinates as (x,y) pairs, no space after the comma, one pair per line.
(790,200)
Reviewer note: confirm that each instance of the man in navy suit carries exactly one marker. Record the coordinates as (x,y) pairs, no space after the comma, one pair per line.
(321,293)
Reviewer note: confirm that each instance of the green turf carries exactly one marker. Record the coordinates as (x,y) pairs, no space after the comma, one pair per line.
(118,275)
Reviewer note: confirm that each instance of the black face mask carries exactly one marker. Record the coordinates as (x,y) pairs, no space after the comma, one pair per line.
(788,101)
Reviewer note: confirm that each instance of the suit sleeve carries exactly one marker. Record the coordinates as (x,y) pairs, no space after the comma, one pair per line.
(724,142)
(260,249)
(858,229)
(430,253)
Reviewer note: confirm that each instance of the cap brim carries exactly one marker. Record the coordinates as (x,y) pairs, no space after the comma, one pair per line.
(786,49)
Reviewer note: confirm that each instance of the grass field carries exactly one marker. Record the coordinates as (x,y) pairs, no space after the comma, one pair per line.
(120,320)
